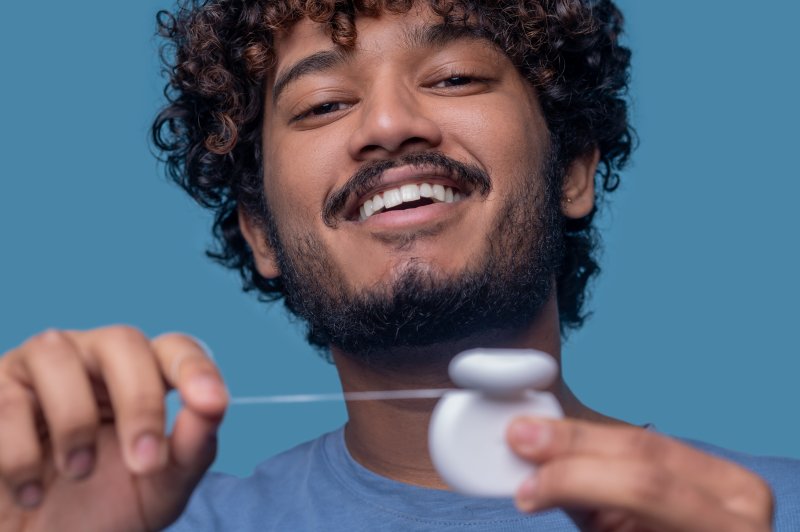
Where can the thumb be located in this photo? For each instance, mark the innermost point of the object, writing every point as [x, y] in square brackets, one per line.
[193, 443]
[192, 446]
[187, 366]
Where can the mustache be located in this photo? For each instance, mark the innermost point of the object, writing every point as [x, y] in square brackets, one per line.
[466, 176]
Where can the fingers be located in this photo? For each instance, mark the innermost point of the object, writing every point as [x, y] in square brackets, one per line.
[20, 450]
[194, 441]
[43, 364]
[189, 369]
[59, 387]
[541, 440]
[655, 496]
[127, 366]
[592, 465]
[67, 373]
[70, 412]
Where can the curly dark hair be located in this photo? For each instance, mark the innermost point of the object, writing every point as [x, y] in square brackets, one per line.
[217, 54]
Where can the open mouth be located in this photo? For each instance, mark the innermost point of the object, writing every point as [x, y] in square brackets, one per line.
[408, 196]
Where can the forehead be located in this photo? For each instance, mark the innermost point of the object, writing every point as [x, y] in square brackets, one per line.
[375, 35]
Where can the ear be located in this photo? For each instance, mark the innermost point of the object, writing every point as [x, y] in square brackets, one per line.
[577, 196]
[263, 254]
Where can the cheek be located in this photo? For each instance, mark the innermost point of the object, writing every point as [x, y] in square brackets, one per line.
[298, 172]
[509, 140]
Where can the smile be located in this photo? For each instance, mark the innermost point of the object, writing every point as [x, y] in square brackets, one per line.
[408, 196]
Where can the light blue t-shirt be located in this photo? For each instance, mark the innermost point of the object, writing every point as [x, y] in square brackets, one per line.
[319, 486]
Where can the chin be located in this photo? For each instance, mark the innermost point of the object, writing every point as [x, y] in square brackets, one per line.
[420, 268]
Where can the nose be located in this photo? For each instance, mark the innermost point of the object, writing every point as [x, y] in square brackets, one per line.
[393, 122]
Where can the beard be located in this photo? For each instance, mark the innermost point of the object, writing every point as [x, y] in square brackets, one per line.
[391, 326]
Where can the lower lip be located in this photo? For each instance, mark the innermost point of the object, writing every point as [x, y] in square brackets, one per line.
[411, 218]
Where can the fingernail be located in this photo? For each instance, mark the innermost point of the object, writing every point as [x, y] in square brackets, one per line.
[80, 462]
[30, 495]
[526, 495]
[147, 452]
[530, 436]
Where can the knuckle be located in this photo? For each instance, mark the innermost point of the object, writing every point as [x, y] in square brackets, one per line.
[49, 341]
[184, 344]
[754, 498]
[646, 445]
[123, 334]
[175, 338]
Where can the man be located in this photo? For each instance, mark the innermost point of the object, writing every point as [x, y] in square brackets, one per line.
[477, 131]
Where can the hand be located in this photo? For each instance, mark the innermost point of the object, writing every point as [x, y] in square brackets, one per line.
[82, 443]
[614, 478]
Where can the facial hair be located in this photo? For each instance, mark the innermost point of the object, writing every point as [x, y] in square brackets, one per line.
[502, 290]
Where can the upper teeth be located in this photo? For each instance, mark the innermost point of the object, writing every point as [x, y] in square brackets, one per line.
[408, 193]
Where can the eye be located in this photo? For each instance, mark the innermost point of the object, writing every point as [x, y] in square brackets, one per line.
[320, 110]
[455, 81]
[325, 108]
[461, 83]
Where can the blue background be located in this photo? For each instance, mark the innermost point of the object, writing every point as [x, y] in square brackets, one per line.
[695, 314]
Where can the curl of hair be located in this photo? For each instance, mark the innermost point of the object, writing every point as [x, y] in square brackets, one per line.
[217, 54]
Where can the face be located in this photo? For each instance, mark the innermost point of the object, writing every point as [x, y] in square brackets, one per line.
[409, 176]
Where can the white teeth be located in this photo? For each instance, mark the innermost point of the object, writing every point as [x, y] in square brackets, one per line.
[392, 198]
[377, 203]
[410, 192]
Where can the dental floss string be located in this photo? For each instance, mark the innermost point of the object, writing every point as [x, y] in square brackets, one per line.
[379, 395]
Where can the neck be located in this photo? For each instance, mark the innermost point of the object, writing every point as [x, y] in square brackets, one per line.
[391, 437]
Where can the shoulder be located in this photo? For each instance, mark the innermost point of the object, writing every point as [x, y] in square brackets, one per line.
[782, 475]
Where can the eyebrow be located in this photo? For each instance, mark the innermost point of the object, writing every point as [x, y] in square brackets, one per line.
[440, 35]
[428, 36]
[318, 62]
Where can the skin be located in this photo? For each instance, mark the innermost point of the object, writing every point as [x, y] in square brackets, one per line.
[390, 103]
[98, 392]
[389, 99]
